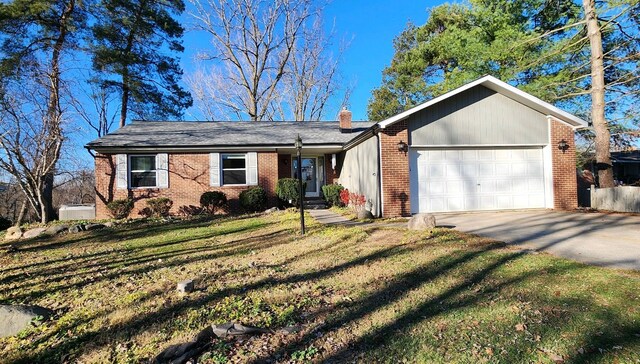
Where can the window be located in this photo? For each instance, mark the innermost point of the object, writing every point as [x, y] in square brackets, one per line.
[143, 171]
[234, 169]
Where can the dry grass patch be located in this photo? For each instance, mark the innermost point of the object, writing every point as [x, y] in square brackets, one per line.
[366, 294]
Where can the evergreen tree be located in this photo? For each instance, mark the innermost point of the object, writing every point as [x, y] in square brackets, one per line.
[131, 39]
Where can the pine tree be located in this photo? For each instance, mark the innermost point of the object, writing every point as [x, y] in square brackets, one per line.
[130, 42]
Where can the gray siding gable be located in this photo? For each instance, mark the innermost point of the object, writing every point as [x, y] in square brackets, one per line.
[478, 116]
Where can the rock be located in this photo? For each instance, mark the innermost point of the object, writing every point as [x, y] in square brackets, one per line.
[185, 286]
[16, 318]
[365, 214]
[90, 227]
[13, 233]
[76, 228]
[29, 234]
[422, 222]
[108, 224]
[56, 229]
[271, 210]
[289, 330]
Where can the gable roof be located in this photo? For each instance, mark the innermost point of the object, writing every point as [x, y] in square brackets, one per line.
[191, 134]
[500, 87]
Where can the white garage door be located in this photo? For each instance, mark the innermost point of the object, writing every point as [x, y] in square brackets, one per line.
[479, 179]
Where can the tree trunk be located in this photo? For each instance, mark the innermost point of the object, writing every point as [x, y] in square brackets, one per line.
[603, 135]
[21, 214]
[125, 101]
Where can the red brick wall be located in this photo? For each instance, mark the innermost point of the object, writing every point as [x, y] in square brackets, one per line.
[565, 185]
[188, 179]
[331, 175]
[395, 171]
[284, 166]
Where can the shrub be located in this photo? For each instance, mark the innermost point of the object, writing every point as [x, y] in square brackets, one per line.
[159, 207]
[5, 223]
[253, 199]
[213, 201]
[332, 194]
[120, 209]
[287, 190]
[190, 210]
[353, 200]
[344, 197]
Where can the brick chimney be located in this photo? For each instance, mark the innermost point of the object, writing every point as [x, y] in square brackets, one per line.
[345, 120]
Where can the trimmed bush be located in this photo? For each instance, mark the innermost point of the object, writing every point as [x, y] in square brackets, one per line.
[159, 207]
[213, 201]
[253, 199]
[332, 194]
[5, 223]
[120, 209]
[190, 210]
[287, 190]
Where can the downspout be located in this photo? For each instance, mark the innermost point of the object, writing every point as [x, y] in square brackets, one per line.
[376, 132]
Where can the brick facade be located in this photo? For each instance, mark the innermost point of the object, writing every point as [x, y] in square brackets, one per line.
[188, 179]
[330, 173]
[565, 185]
[284, 166]
[395, 171]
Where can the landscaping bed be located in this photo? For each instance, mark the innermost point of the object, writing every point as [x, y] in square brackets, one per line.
[366, 294]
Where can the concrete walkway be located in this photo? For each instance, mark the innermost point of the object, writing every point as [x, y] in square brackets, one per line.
[328, 217]
[610, 240]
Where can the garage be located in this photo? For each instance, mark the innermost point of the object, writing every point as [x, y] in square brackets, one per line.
[464, 179]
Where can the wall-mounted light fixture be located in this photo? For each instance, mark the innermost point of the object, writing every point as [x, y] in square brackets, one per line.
[403, 147]
[563, 145]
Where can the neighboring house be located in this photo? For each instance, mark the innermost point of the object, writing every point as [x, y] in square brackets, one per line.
[483, 146]
[626, 166]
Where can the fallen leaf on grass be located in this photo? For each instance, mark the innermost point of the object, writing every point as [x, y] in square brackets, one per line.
[553, 356]
[521, 327]
[489, 351]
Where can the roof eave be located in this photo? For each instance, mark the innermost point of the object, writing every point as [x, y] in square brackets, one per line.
[503, 88]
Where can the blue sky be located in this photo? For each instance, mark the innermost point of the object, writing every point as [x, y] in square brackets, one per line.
[369, 26]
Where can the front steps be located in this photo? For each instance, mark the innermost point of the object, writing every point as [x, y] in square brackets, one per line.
[315, 204]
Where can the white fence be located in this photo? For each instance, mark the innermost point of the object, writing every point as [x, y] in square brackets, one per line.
[623, 198]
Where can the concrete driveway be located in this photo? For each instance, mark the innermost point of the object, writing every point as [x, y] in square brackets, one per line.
[610, 240]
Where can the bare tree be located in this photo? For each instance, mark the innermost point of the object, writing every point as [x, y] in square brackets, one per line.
[31, 140]
[312, 77]
[93, 107]
[253, 44]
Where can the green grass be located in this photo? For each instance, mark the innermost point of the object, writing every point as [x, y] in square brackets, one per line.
[364, 294]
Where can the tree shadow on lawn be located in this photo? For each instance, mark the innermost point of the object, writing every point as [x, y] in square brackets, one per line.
[113, 267]
[595, 340]
[135, 229]
[166, 314]
[481, 285]
[108, 237]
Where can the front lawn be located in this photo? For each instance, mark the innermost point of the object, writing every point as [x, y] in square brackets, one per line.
[364, 294]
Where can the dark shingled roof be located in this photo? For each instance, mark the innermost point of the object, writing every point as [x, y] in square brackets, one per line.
[631, 156]
[226, 133]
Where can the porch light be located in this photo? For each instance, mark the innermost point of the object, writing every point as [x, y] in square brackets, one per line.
[563, 145]
[298, 145]
[403, 147]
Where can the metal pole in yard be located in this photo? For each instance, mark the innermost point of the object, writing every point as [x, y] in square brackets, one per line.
[298, 145]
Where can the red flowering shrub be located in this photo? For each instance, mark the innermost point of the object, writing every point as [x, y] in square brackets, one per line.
[344, 197]
[352, 199]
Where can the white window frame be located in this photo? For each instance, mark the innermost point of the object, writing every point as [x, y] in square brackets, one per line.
[131, 171]
[245, 169]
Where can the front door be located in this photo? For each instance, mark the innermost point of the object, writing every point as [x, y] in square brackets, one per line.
[310, 175]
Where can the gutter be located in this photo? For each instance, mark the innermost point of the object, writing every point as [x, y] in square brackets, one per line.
[373, 130]
[376, 132]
